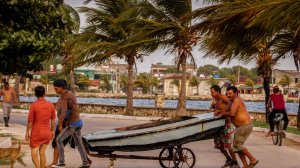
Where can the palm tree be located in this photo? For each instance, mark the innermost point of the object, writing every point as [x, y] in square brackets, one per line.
[123, 80]
[176, 83]
[155, 84]
[44, 79]
[213, 81]
[227, 42]
[70, 46]
[232, 79]
[111, 33]
[169, 21]
[194, 82]
[250, 83]
[285, 81]
[83, 81]
[255, 23]
[144, 81]
[106, 84]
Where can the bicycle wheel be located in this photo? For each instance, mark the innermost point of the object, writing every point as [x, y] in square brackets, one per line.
[280, 132]
[275, 135]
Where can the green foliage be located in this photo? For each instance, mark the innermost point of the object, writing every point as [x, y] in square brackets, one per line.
[250, 83]
[285, 81]
[233, 79]
[213, 81]
[30, 31]
[194, 81]
[145, 82]
[123, 79]
[105, 83]
[44, 79]
[82, 81]
[207, 69]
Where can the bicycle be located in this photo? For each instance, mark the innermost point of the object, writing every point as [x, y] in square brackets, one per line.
[278, 129]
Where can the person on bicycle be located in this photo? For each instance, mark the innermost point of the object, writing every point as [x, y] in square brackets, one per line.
[278, 107]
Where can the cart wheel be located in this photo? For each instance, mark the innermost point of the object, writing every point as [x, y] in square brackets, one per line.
[184, 158]
[167, 153]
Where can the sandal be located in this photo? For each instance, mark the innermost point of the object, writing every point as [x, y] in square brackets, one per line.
[252, 165]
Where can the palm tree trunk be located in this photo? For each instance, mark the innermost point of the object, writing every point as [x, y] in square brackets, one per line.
[16, 86]
[72, 82]
[129, 104]
[266, 83]
[181, 106]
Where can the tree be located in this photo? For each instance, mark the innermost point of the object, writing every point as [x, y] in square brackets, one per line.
[250, 83]
[213, 81]
[144, 81]
[30, 31]
[44, 79]
[233, 79]
[261, 23]
[285, 81]
[171, 23]
[105, 85]
[71, 46]
[83, 81]
[123, 79]
[194, 82]
[176, 83]
[111, 33]
[227, 42]
[207, 70]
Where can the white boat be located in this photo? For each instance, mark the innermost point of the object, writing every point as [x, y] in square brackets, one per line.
[155, 135]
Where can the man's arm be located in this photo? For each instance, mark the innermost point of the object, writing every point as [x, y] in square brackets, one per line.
[233, 110]
[64, 108]
[269, 105]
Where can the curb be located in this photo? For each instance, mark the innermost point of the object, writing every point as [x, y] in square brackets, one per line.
[290, 136]
[108, 116]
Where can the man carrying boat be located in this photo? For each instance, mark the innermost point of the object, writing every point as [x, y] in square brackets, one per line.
[223, 142]
[243, 123]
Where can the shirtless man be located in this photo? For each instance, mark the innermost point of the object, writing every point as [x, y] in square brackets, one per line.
[223, 142]
[9, 96]
[243, 123]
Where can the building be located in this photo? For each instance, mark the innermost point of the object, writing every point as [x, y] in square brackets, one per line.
[159, 70]
[292, 90]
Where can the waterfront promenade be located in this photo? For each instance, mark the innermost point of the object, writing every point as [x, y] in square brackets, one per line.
[270, 156]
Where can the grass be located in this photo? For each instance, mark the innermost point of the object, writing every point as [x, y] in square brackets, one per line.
[261, 124]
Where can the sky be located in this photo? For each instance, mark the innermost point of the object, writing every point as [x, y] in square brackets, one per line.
[160, 56]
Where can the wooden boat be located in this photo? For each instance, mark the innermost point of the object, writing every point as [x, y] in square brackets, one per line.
[155, 135]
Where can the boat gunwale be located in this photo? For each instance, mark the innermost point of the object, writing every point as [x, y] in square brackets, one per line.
[200, 121]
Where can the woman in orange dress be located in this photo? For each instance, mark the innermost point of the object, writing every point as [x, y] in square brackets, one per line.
[40, 114]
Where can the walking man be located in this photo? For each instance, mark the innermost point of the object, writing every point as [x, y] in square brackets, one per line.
[243, 123]
[9, 97]
[224, 140]
[68, 112]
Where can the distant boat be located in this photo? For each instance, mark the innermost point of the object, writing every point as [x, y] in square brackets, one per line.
[155, 135]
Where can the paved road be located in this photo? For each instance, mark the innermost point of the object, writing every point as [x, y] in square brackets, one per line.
[270, 156]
